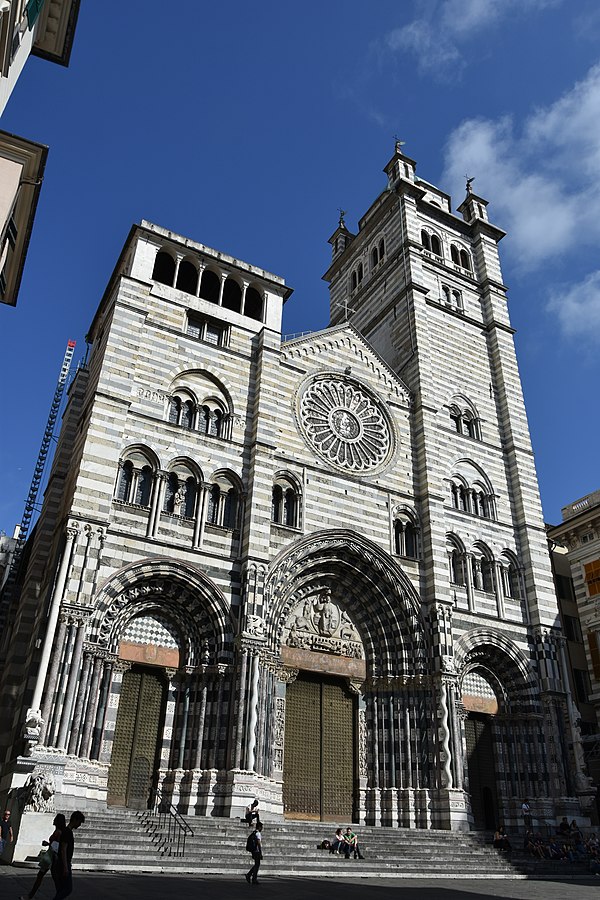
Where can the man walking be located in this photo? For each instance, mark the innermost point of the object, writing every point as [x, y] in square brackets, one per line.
[62, 874]
[254, 847]
[6, 832]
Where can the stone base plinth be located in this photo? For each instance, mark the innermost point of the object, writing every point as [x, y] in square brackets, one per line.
[450, 809]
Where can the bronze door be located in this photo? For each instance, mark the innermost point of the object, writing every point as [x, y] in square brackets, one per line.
[135, 754]
[319, 756]
[482, 770]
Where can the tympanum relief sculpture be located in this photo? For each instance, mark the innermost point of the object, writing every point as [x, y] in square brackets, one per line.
[319, 623]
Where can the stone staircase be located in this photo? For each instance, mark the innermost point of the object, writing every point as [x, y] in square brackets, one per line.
[128, 842]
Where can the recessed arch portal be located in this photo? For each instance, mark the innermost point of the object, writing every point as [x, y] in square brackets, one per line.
[180, 595]
[365, 582]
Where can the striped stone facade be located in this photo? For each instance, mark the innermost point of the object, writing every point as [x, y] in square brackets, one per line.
[359, 503]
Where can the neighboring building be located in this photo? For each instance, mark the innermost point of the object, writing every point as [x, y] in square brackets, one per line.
[7, 549]
[43, 28]
[22, 166]
[577, 541]
[40, 27]
[314, 570]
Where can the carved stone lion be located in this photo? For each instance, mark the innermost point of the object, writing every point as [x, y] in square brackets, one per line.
[40, 792]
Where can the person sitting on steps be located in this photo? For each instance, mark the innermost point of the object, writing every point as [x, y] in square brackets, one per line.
[350, 844]
[337, 841]
[252, 813]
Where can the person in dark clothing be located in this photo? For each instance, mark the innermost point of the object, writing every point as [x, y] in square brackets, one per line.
[53, 844]
[252, 813]
[62, 874]
[6, 832]
[254, 847]
[501, 841]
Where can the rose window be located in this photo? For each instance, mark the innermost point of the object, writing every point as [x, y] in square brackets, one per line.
[344, 424]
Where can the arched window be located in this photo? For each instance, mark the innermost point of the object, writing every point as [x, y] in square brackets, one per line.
[187, 415]
[425, 239]
[216, 419]
[514, 581]
[189, 503]
[456, 561]
[144, 487]
[487, 575]
[456, 418]
[465, 260]
[276, 503]
[164, 268]
[232, 295]
[454, 254]
[381, 249]
[463, 498]
[210, 286]
[374, 257]
[125, 482]
[174, 410]
[446, 293]
[436, 247]
[359, 274]
[353, 281]
[289, 508]
[457, 567]
[214, 498]
[457, 300]
[410, 541]
[204, 420]
[230, 509]
[187, 277]
[253, 304]
[406, 537]
[171, 492]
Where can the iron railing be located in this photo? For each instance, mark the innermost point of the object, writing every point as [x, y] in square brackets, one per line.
[167, 826]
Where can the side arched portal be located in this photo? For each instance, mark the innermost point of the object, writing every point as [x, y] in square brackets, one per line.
[153, 672]
[503, 741]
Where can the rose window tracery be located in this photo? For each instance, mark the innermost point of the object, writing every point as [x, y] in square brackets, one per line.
[344, 424]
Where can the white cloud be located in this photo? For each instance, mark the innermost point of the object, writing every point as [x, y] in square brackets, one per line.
[578, 308]
[543, 183]
[435, 37]
[543, 180]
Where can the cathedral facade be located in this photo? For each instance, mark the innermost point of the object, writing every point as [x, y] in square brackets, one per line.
[312, 570]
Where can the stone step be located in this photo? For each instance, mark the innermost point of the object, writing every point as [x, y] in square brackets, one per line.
[216, 847]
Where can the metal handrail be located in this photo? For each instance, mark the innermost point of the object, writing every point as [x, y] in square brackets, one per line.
[171, 826]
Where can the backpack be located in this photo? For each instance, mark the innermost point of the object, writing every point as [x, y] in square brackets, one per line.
[252, 843]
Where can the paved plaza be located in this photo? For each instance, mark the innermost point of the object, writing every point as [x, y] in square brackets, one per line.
[14, 882]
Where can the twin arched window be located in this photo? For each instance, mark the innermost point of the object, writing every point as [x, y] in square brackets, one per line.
[377, 253]
[181, 492]
[465, 421]
[135, 480]
[406, 537]
[460, 257]
[223, 505]
[431, 242]
[356, 277]
[452, 298]
[285, 503]
[229, 293]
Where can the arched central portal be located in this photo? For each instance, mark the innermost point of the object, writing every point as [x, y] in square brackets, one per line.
[320, 749]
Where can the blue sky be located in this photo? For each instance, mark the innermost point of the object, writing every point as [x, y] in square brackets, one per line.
[245, 126]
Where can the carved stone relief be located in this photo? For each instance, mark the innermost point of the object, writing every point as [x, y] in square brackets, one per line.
[318, 623]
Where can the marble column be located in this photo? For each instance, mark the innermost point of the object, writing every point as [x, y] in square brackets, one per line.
[73, 679]
[57, 596]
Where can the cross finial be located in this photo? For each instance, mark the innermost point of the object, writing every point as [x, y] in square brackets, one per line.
[469, 183]
[341, 222]
[399, 144]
